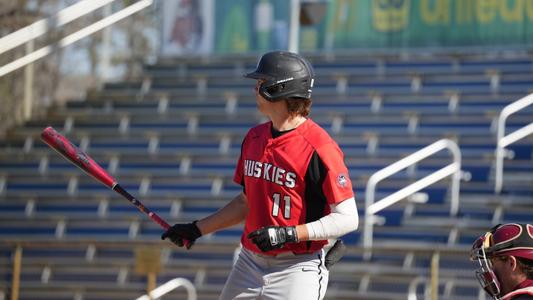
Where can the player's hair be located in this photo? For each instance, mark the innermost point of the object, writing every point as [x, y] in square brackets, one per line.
[526, 265]
[298, 106]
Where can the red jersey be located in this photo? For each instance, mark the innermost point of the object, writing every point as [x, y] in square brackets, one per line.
[523, 291]
[273, 172]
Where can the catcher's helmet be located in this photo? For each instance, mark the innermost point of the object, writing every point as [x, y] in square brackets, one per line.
[285, 75]
[507, 239]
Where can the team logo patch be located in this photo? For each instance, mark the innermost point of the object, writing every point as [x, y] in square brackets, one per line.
[342, 180]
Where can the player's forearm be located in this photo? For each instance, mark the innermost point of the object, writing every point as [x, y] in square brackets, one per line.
[302, 233]
[232, 213]
[342, 220]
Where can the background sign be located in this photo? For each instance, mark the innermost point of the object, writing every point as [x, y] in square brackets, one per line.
[241, 26]
[187, 27]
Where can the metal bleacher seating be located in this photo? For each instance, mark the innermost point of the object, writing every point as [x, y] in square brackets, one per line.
[173, 136]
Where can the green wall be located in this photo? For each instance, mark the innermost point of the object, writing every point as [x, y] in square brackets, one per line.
[364, 24]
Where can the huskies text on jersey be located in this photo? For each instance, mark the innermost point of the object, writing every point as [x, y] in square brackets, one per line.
[269, 172]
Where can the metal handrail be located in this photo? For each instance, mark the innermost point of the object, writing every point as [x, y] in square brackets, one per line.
[372, 208]
[413, 285]
[40, 27]
[411, 291]
[30, 32]
[169, 286]
[504, 141]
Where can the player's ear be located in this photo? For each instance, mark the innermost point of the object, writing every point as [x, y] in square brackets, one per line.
[512, 262]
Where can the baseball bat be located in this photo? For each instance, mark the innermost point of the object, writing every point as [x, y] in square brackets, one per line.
[83, 161]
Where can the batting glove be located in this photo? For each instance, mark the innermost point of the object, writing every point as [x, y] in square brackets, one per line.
[273, 237]
[335, 254]
[180, 232]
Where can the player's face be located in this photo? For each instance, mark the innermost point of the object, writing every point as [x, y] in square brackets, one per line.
[502, 267]
[262, 103]
[277, 109]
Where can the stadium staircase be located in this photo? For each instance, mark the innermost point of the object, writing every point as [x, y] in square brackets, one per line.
[172, 138]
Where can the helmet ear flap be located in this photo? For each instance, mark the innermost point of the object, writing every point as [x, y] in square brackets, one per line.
[275, 89]
[270, 92]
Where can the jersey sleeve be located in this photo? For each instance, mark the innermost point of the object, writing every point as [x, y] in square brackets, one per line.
[238, 176]
[337, 185]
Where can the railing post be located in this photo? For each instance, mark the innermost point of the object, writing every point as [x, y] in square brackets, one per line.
[105, 61]
[368, 236]
[435, 258]
[411, 292]
[28, 84]
[498, 172]
[372, 208]
[500, 152]
[151, 283]
[368, 228]
[456, 179]
[170, 286]
[15, 283]
[148, 262]
[505, 140]
[294, 29]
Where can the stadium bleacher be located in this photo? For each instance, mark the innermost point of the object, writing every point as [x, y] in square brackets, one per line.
[172, 137]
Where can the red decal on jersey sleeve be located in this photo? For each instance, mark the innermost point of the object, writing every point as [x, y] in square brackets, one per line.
[337, 185]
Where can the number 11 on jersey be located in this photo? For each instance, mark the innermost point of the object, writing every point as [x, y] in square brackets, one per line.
[286, 205]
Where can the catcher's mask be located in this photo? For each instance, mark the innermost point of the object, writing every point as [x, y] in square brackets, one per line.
[284, 75]
[502, 240]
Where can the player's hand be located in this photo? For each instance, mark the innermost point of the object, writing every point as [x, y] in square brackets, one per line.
[180, 232]
[335, 254]
[273, 237]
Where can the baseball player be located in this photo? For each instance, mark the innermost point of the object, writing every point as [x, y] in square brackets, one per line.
[505, 257]
[296, 194]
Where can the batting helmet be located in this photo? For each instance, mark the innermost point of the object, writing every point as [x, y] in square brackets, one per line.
[285, 75]
[507, 239]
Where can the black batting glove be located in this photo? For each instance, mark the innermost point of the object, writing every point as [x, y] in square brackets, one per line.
[335, 254]
[180, 232]
[273, 237]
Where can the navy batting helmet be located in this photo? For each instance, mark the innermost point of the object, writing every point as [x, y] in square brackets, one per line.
[285, 75]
